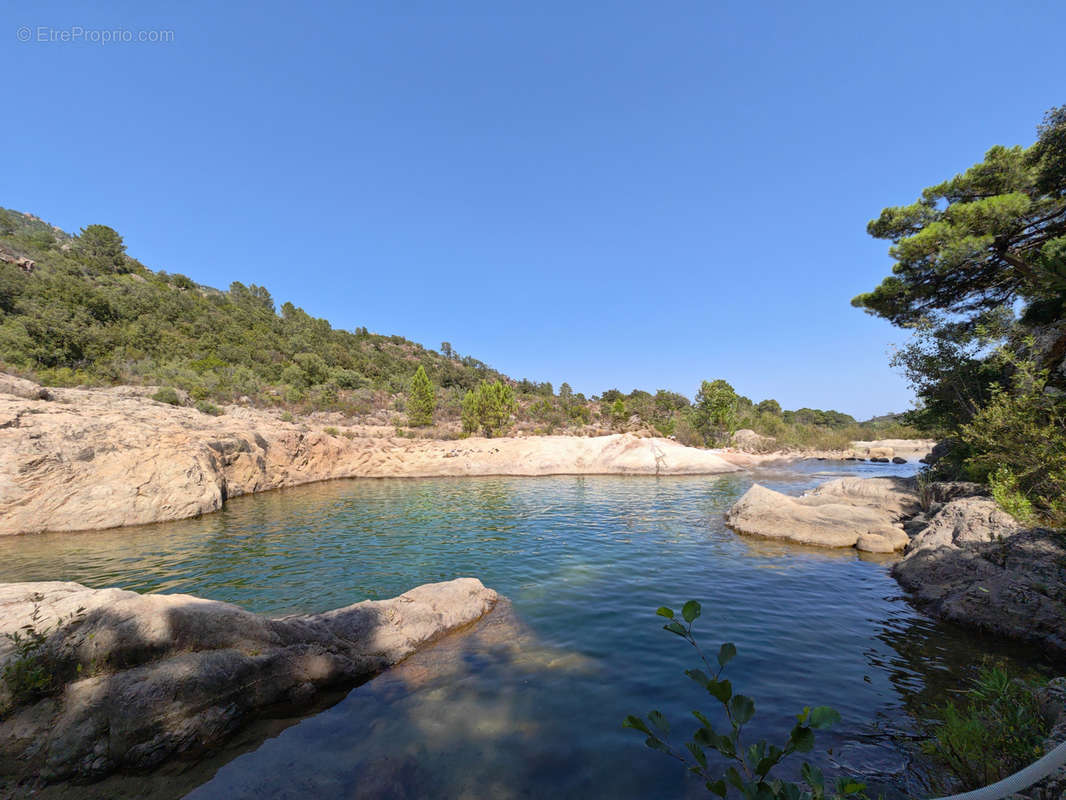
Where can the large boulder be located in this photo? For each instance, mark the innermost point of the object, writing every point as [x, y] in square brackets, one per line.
[894, 495]
[136, 679]
[1013, 587]
[20, 387]
[966, 520]
[825, 520]
[751, 442]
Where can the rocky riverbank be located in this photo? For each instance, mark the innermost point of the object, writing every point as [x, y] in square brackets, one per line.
[88, 459]
[963, 559]
[124, 681]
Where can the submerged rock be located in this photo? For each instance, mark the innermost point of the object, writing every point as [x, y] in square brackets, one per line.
[848, 512]
[136, 679]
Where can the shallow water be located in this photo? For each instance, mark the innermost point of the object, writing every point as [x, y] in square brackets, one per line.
[529, 704]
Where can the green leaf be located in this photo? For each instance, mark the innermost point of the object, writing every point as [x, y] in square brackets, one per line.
[699, 676]
[823, 717]
[720, 690]
[659, 721]
[690, 611]
[726, 653]
[655, 743]
[743, 709]
[675, 627]
[703, 719]
[718, 787]
[734, 778]
[801, 739]
[697, 753]
[849, 786]
[663, 611]
[812, 776]
[636, 723]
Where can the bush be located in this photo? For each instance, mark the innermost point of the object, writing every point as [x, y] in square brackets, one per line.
[995, 732]
[488, 408]
[205, 407]
[750, 765]
[1004, 485]
[167, 395]
[32, 671]
[332, 431]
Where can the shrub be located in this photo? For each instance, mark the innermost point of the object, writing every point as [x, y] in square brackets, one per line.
[750, 765]
[995, 732]
[421, 400]
[167, 395]
[32, 671]
[332, 431]
[488, 408]
[1004, 485]
[205, 407]
[286, 416]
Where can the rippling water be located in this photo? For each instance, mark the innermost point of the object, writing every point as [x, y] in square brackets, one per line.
[530, 703]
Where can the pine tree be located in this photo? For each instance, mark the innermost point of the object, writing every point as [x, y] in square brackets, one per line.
[421, 400]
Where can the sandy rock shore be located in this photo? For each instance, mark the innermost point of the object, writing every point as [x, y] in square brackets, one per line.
[87, 459]
[140, 678]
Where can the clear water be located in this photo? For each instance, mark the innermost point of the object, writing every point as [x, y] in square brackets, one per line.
[529, 704]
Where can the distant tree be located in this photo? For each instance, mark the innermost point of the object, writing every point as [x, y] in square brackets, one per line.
[102, 248]
[611, 395]
[566, 396]
[715, 413]
[7, 223]
[618, 411]
[488, 408]
[769, 407]
[446, 350]
[421, 400]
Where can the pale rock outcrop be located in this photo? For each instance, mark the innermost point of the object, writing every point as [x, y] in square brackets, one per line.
[103, 458]
[749, 441]
[842, 513]
[144, 677]
[910, 449]
[966, 520]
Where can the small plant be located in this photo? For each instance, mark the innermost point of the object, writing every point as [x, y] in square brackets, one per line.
[207, 407]
[996, 732]
[30, 673]
[332, 431]
[421, 400]
[750, 765]
[287, 416]
[1008, 496]
[167, 395]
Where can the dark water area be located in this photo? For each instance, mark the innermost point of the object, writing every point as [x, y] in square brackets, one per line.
[529, 703]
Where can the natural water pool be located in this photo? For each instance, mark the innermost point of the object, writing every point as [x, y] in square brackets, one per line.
[530, 704]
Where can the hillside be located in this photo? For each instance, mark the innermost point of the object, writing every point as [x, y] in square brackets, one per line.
[78, 311]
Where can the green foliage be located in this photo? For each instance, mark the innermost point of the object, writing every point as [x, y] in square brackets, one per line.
[748, 766]
[206, 407]
[1018, 441]
[102, 248]
[331, 430]
[995, 731]
[715, 413]
[31, 672]
[978, 242]
[488, 408]
[618, 412]
[167, 394]
[421, 400]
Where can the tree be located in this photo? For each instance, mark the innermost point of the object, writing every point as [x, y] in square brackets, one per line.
[488, 408]
[421, 400]
[103, 248]
[716, 410]
[618, 412]
[986, 238]
[566, 396]
[769, 407]
[446, 350]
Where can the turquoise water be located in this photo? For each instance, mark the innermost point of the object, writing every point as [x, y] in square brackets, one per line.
[530, 704]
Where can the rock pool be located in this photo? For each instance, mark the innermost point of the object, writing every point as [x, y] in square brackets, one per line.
[529, 703]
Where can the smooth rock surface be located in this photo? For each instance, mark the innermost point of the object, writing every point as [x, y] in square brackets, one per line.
[849, 512]
[145, 677]
[103, 458]
[967, 520]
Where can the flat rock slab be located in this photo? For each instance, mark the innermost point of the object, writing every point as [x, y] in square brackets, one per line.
[140, 678]
[848, 512]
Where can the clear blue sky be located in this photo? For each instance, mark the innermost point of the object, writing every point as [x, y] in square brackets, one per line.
[636, 195]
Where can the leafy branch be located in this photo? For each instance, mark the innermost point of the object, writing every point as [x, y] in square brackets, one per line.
[749, 765]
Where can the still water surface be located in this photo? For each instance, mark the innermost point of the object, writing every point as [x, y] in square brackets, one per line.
[529, 704]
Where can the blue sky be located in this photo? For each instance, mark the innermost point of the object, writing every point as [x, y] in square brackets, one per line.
[624, 196]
